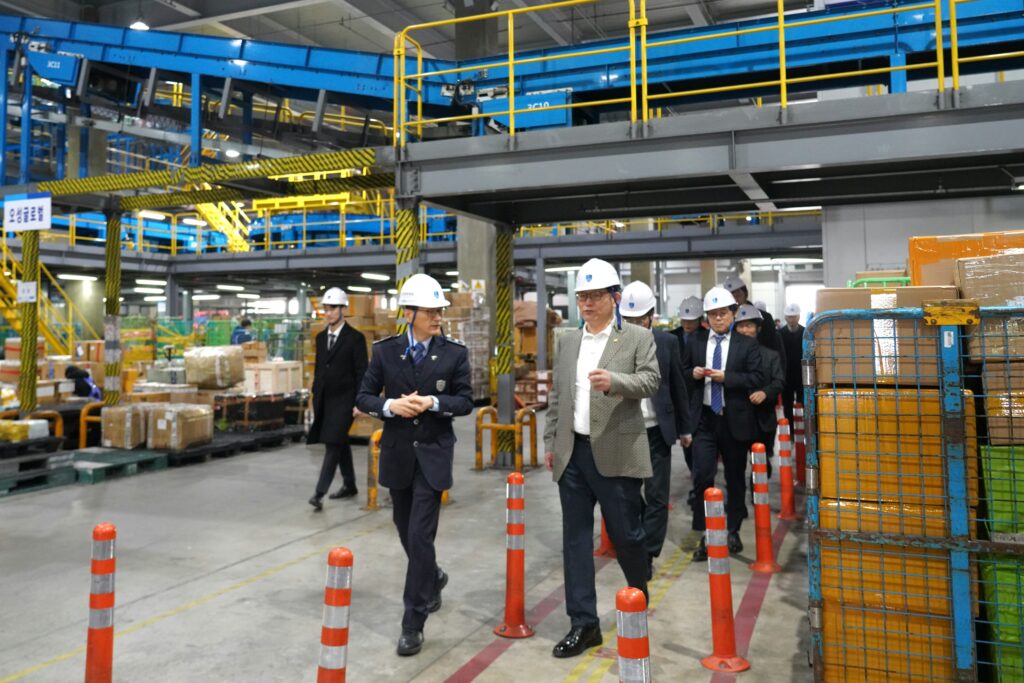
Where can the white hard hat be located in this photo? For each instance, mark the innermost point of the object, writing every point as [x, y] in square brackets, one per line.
[732, 283]
[761, 306]
[792, 309]
[748, 312]
[718, 297]
[637, 300]
[596, 274]
[691, 308]
[422, 291]
[335, 296]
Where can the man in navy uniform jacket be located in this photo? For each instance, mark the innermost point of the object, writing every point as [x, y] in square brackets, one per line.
[425, 380]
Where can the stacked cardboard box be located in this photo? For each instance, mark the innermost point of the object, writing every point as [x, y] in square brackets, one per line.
[278, 377]
[52, 391]
[932, 259]
[254, 352]
[23, 430]
[12, 348]
[175, 427]
[124, 426]
[215, 367]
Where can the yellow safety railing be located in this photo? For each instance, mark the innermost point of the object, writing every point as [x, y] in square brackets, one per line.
[710, 221]
[954, 48]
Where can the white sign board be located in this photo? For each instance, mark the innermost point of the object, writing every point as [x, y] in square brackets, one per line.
[24, 212]
[478, 285]
[27, 292]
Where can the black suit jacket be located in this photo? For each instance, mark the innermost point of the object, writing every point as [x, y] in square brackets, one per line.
[769, 337]
[685, 340]
[429, 438]
[336, 378]
[670, 402]
[743, 375]
[793, 343]
[774, 383]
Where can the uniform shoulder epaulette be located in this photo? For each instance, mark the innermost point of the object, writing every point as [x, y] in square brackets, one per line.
[455, 341]
[394, 336]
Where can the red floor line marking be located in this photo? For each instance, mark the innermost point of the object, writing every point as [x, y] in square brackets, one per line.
[483, 659]
[750, 605]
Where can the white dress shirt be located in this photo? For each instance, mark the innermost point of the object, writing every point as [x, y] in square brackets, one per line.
[708, 364]
[650, 416]
[336, 333]
[591, 350]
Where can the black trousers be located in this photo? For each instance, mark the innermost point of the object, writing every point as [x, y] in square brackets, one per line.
[580, 487]
[336, 456]
[787, 401]
[416, 512]
[656, 492]
[713, 437]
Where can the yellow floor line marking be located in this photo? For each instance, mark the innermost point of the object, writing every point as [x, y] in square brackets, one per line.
[677, 562]
[192, 604]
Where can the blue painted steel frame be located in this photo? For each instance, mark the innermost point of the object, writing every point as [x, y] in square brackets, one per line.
[4, 61]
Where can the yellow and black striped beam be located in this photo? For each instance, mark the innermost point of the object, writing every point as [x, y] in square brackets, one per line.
[169, 200]
[407, 252]
[503, 309]
[373, 181]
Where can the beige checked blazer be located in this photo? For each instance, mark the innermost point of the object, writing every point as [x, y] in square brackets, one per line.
[617, 434]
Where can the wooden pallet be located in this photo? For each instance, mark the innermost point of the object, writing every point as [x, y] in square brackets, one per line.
[37, 480]
[46, 444]
[99, 464]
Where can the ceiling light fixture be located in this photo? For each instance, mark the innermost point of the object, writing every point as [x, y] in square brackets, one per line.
[139, 25]
[562, 269]
[205, 297]
[361, 289]
[194, 221]
[452, 273]
[232, 153]
[245, 295]
[153, 215]
[379, 277]
[158, 283]
[75, 276]
[231, 288]
[155, 299]
[148, 290]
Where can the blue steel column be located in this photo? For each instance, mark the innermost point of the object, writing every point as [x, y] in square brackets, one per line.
[5, 56]
[196, 123]
[814, 604]
[83, 145]
[61, 144]
[247, 117]
[953, 442]
[897, 79]
[26, 127]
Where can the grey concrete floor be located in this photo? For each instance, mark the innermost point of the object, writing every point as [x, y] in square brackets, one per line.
[220, 571]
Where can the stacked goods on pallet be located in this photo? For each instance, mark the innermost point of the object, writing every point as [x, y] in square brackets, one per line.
[53, 391]
[365, 315]
[167, 372]
[56, 366]
[157, 392]
[932, 260]
[532, 387]
[277, 377]
[216, 367]
[124, 426]
[254, 352]
[137, 343]
[250, 412]
[12, 348]
[23, 430]
[88, 355]
[175, 427]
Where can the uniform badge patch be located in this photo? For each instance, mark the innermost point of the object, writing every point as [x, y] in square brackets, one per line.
[441, 384]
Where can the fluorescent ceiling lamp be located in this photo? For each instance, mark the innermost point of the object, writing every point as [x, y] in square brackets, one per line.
[153, 215]
[788, 181]
[392, 291]
[231, 288]
[158, 283]
[452, 273]
[148, 290]
[155, 299]
[802, 208]
[562, 269]
[205, 297]
[1020, 188]
[79, 278]
[139, 25]
[239, 62]
[358, 288]
[232, 153]
[193, 221]
[248, 296]
[379, 277]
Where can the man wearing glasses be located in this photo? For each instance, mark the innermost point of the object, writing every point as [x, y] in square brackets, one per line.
[425, 380]
[596, 444]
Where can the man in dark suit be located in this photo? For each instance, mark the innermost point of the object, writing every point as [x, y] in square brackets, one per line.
[666, 416]
[748, 321]
[425, 380]
[340, 364]
[722, 372]
[691, 313]
[792, 334]
[768, 335]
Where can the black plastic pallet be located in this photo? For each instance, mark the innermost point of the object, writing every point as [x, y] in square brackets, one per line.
[33, 462]
[222, 446]
[46, 444]
[97, 465]
[36, 480]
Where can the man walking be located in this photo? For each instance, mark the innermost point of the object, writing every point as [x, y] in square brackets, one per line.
[596, 446]
[768, 334]
[792, 335]
[340, 364]
[691, 314]
[425, 381]
[748, 322]
[666, 416]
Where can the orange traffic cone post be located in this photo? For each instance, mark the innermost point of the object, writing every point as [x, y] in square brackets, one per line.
[800, 442]
[334, 634]
[607, 548]
[788, 505]
[633, 643]
[765, 563]
[723, 628]
[515, 625]
[99, 649]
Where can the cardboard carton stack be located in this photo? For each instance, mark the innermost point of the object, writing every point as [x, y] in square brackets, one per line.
[469, 320]
[175, 427]
[531, 385]
[215, 367]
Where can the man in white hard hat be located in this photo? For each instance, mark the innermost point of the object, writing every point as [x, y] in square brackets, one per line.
[723, 369]
[792, 334]
[339, 369]
[666, 416]
[596, 446]
[748, 322]
[768, 335]
[425, 381]
[691, 317]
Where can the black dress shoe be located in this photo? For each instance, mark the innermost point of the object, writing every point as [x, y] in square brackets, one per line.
[701, 553]
[578, 640]
[734, 542]
[315, 501]
[344, 492]
[440, 581]
[410, 642]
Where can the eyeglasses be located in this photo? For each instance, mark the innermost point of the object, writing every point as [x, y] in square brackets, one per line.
[595, 295]
[431, 312]
[719, 313]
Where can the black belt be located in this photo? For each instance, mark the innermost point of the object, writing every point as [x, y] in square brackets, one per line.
[581, 437]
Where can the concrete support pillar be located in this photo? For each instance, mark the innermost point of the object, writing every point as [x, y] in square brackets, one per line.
[570, 287]
[87, 152]
[88, 301]
[505, 365]
[708, 274]
[112, 317]
[173, 298]
[29, 312]
[542, 316]
[641, 270]
[474, 252]
[475, 39]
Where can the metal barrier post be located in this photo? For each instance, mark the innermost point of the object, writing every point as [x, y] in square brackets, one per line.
[85, 418]
[481, 426]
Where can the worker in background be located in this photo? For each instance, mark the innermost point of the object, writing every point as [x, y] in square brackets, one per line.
[691, 315]
[769, 335]
[793, 343]
[666, 416]
[425, 381]
[242, 333]
[339, 369]
[595, 445]
[84, 386]
[723, 370]
[748, 323]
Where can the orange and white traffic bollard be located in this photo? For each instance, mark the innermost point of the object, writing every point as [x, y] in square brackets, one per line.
[334, 634]
[800, 442]
[99, 652]
[723, 628]
[633, 643]
[780, 411]
[788, 505]
[765, 563]
[606, 548]
[515, 625]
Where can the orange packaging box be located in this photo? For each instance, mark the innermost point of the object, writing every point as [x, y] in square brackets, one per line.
[932, 260]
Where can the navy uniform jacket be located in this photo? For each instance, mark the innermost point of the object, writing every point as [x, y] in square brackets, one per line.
[429, 438]
[670, 402]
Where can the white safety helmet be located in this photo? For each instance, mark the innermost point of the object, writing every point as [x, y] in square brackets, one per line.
[637, 300]
[335, 296]
[422, 291]
[792, 309]
[732, 283]
[596, 274]
[718, 297]
[748, 312]
[761, 306]
[691, 308]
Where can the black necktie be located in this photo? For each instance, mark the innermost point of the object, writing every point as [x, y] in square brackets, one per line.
[330, 340]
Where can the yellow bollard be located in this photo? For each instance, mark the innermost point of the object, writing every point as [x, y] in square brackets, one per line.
[372, 465]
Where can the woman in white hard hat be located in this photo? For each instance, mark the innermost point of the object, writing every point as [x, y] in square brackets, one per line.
[425, 380]
[596, 444]
[340, 364]
[769, 334]
[748, 323]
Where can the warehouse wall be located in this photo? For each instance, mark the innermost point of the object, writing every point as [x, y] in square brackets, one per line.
[874, 236]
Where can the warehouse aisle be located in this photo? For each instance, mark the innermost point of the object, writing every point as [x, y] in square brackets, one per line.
[221, 567]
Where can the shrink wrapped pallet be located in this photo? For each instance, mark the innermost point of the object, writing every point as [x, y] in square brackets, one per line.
[23, 430]
[215, 367]
[124, 426]
[177, 426]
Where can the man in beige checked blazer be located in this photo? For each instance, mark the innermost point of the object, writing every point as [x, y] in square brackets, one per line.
[596, 444]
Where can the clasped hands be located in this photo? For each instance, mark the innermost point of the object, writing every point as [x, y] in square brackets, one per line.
[411, 405]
